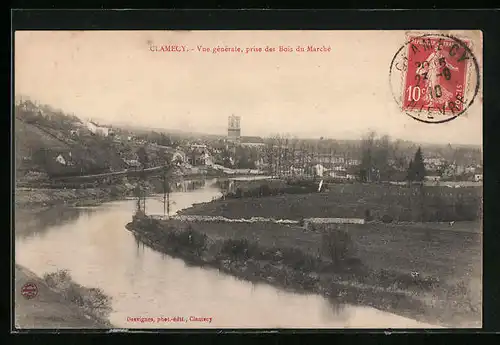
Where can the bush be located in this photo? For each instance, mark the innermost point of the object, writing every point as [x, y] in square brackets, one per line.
[238, 193]
[238, 249]
[190, 239]
[92, 300]
[368, 216]
[264, 190]
[386, 219]
[297, 259]
[337, 245]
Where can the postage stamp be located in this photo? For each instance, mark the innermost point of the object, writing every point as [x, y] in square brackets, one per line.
[435, 77]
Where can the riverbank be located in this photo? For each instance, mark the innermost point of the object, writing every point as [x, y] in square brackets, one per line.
[392, 270]
[30, 198]
[49, 309]
[38, 195]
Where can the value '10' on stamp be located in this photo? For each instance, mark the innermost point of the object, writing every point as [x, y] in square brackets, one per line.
[435, 81]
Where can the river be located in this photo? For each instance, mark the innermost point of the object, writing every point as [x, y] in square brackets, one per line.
[93, 244]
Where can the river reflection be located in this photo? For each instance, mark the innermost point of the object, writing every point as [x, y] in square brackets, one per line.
[95, 247]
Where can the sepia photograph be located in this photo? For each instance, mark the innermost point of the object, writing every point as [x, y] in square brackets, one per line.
[248, 179]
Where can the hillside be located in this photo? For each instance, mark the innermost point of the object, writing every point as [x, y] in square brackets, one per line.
[28, 140]
[41, 136]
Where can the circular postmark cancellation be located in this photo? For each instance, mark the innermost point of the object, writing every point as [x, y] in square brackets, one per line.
[29, 290]
[434, 78]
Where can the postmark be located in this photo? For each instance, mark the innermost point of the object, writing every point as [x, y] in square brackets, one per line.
[29, 290]
[434, 78]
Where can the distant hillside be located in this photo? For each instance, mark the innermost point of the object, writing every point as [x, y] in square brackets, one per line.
[42, 135]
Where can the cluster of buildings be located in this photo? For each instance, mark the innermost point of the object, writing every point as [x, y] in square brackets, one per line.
[438, 168]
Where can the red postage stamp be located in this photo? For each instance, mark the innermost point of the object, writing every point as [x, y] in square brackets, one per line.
[435, 79]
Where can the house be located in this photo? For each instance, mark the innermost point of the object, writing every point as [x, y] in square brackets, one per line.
[133, 163]
[98, 130]
[436, 161]
[338, 168]
[60, 159]
[432, 178]
[253, 145]
[350, 177]
[199, 147]
[179, 156]
[207, 159]
[470, 169]
[353, 162]
[92, 127]
[199, 156]
[433, 163]
[337, 174]
[319, 170]
[338, 160]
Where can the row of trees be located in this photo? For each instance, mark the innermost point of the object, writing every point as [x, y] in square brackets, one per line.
[381, 158]
[383, 161]
[287, 155]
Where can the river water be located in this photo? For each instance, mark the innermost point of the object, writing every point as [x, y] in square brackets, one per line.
[93, 244]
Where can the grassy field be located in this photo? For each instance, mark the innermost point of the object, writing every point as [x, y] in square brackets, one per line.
[436, 250]
[353, 201]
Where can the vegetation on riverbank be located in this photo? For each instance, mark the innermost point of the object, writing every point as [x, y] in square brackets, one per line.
[389, 269]
[60, 303]
[92, 301]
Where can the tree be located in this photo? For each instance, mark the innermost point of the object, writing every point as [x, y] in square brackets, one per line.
[226, 158]
[416, 168]
[244, 159]
[167, 168]
[142, 156]
[269, 156]
[410, 176]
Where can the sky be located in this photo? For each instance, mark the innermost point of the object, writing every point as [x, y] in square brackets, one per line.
[116, 77]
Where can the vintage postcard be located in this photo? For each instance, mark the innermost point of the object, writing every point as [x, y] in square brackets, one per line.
[248, 179]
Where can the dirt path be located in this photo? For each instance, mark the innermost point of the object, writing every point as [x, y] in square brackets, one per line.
[48, 309]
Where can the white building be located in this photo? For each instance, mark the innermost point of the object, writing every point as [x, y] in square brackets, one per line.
[179, 157]
[207, 159]
[198, 147]
[132, 163]
[338, 160]
[60, 159]
[470, 169]
[252, 144]
[98, 130]
[432, 178]
[319, 169]
[353, 162]
[92, 127]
